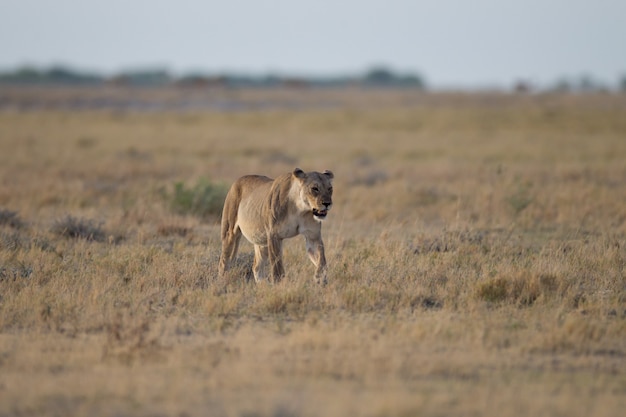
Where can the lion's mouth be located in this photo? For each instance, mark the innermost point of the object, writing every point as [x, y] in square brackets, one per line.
[320, 214]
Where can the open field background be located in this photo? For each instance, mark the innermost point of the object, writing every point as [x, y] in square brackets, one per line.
[476, 249]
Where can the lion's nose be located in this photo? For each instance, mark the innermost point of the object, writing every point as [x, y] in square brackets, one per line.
[327, 203]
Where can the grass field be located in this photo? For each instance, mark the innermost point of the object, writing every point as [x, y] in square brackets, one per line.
[476, 250]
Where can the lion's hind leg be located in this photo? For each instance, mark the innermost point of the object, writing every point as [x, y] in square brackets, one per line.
[231, 233]
[230, 245]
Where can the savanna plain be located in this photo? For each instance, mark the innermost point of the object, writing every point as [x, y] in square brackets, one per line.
[476, 251]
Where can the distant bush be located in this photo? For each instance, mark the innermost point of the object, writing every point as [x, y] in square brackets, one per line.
[73, 227]
[205, 199]
[382, 76]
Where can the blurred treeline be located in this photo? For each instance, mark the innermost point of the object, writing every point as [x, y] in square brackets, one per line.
[377, 76]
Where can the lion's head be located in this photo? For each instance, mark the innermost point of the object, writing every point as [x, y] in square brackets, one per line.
[316, 191]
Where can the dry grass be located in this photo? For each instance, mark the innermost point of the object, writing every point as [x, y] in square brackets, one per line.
[477, 253]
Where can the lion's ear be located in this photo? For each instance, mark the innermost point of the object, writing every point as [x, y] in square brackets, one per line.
[298, 173]
[329, 174]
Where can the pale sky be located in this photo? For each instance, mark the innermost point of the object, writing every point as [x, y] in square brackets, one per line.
[449, 42]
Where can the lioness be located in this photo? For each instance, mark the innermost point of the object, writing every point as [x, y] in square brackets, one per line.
[267, 211]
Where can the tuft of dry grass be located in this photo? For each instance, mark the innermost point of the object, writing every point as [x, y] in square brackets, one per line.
[476, 254]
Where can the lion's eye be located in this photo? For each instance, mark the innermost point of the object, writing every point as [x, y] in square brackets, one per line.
[315, 190]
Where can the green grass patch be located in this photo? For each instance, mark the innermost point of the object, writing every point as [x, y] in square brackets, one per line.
[205, 199]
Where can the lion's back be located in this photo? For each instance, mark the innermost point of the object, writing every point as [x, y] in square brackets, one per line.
[245, 186]
[250, 182]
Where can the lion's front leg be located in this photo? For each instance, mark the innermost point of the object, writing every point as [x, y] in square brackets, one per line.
[260, 263]
[315, 250]
[275, 246]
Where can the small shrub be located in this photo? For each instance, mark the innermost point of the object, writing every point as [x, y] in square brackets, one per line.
[73, 227]
[205, 199]
[10, 218]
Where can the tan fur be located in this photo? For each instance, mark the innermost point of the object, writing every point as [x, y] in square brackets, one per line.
[268, 211]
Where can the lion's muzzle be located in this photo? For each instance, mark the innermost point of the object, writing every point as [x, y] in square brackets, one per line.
[320, 214]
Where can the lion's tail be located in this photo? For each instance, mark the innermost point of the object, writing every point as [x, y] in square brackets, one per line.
[229, 213]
